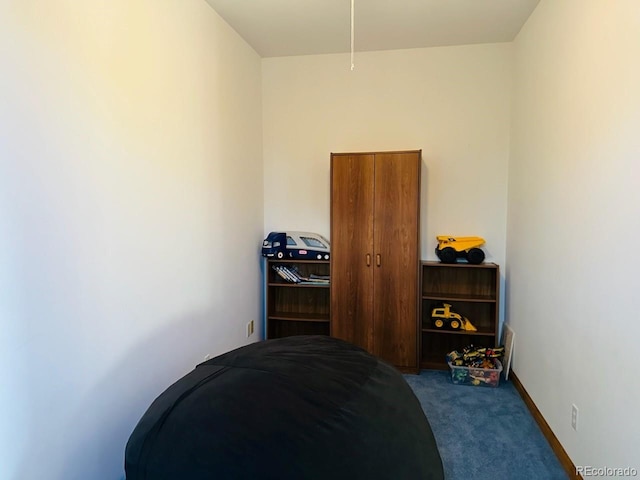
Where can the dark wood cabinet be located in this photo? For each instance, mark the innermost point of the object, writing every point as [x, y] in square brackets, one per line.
[472, 291]
[375, 259]
[294, 308]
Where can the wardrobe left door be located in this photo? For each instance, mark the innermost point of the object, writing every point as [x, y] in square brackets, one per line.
[352, 256]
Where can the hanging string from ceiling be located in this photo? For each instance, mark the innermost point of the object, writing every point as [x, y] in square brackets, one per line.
[352, 35]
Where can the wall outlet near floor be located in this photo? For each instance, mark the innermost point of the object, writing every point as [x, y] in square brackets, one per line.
[250, 328]
[574, 417]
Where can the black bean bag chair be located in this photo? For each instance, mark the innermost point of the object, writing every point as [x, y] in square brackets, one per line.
[296, 408]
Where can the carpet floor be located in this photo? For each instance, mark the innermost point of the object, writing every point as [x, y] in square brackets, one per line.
[484, 432]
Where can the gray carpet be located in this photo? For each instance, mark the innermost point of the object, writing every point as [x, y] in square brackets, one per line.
[484, 432]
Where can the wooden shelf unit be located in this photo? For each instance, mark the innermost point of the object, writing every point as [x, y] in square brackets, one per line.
[473, 291]
[297, 309]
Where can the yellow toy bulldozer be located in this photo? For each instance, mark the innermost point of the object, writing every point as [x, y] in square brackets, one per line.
[444, 317]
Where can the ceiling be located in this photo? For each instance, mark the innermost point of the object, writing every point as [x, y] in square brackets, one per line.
[277, 28]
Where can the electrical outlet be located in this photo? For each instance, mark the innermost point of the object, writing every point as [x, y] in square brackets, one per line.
[574, 417]
[250, 328]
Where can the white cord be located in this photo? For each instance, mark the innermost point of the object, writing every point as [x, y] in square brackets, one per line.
[352, 36]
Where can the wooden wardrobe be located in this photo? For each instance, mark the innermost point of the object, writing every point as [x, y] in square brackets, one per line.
[375, 253]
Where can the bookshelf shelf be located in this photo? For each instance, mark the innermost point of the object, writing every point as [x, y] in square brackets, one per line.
[298, 317]
[451, 332]
[296, 285]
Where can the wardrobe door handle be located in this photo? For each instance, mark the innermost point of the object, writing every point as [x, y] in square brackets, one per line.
[368, 259]
[378, 260]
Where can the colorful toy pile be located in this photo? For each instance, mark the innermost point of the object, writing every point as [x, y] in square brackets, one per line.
[476, 366]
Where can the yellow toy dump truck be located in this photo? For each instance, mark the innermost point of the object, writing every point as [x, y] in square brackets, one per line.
[444, 317]
[450, 249]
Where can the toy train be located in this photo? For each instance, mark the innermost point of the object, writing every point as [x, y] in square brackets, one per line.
[297, 245]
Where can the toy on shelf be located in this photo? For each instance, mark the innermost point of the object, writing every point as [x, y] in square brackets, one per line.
[450, 249]
[445, 317]
[298, 245]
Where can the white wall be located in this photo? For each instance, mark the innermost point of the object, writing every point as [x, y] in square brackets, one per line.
[573, 223]
[130, 212]
[452, 102]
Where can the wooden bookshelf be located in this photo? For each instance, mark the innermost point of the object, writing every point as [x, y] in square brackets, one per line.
[472, 291]
[294, 308]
